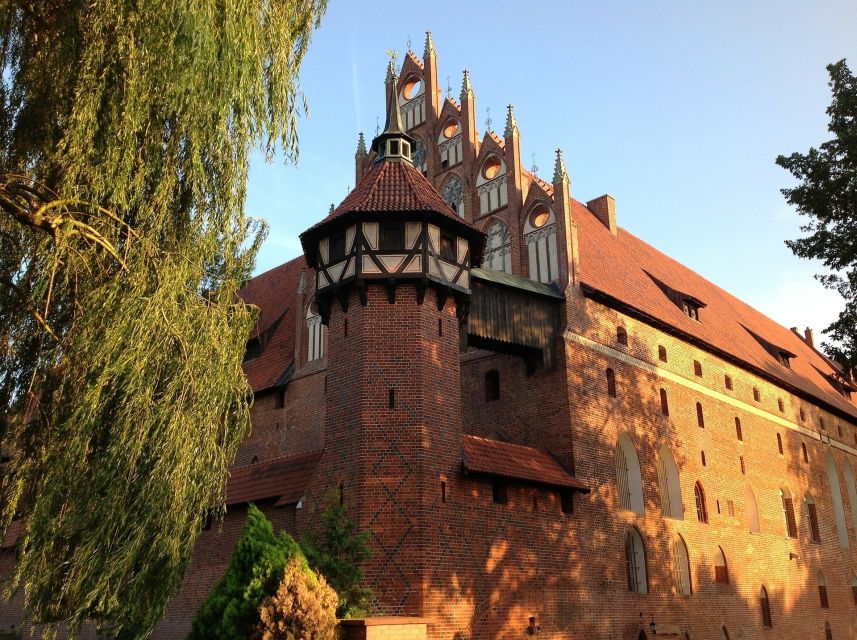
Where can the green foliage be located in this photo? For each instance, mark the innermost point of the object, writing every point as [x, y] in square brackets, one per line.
[337, 553]
[827, 195]
[303, 608]
[125, 137]
[255, 570]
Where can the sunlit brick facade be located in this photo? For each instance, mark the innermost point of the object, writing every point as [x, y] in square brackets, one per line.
[668, 458]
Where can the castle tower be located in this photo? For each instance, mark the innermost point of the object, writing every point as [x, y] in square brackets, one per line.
[392, 269]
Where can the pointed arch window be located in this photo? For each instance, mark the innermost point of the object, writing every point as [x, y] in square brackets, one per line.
[812, 517]
[828, 632]
[836, 495]
[635, 562]
[822, 590]
[700, 417]
[701, 509]
[498, 250]
[721, 571]
[852, 491]
[788, 513]
[681, 566]
[491, 185]
[752, 510]
[854, 589]
[629, 476]
[724, 634]
[413, 107]
[669, 484]
[765, 607]
[540, 239]
[449, 144]
[315, 336]
[453, 195]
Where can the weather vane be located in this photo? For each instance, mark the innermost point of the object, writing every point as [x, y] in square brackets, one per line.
[488, 120]
[377, 126]
[535, 167]
[394, 56]
[409, 43]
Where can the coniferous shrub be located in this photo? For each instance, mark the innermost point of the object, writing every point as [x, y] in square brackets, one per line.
[337, 553]
[255, 570]
[304, 607]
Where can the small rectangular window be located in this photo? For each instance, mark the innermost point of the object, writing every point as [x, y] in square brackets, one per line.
[447, 247]
[499, 492]
[392, 399]
[757, 395]
[662, 353]
[567, 501]
[443, 491]
[394, 147]
[492, 385]
[337, 247]
[727, 380]
[697, 368]
[392, 237]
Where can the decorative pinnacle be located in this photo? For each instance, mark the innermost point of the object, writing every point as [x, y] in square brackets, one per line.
[511, 123]
[559, 172]
[429, 45]
[361, 146]
[466, 89]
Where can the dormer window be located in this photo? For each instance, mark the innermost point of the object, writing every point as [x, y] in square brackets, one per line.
[392, 237]
[253, 349]
[783, 356]
[690, 309]
[337, 247]
[784, 359]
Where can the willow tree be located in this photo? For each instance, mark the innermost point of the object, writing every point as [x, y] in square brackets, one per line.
[125, 139]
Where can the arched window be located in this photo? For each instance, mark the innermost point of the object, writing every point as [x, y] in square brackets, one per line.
[662, 353]
[836, 494]
[413, 98]
[665, 406]
[812, 517]
[700, 418]
[738, 431]
[765, 606]
[788, 513]
[635, 562]
[498, 250]
[822, 590]
[449, 144]
[540, 239]
[852, 491]
[668, 482]
[628, 475]
[611, 383]
[315, 336]
[780, 444]
[491, 185]
[453, 195]
[721, 571]
[681, 567]
[752, 510]
[701, 510]
[622, 336]
[828, 632]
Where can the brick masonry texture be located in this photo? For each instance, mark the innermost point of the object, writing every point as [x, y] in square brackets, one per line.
[443, 549]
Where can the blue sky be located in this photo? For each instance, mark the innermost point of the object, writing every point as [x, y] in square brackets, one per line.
[676, 108]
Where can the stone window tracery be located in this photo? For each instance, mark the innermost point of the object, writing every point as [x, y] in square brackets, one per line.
[449, 144]
[419, 157]
[498, 250]
[315, 336]
[453, 195]
[491, 185]
[541, 244]
[681, 567]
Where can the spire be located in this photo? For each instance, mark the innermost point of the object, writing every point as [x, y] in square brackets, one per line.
[429, 50]
[361, 146]
[559, 172]
[511, 123]
[393, 143]
[466, 89]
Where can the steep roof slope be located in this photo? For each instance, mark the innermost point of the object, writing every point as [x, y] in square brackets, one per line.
[275, 293]
[622, 267]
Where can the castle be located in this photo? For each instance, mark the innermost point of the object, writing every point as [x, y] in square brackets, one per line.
[549, 427]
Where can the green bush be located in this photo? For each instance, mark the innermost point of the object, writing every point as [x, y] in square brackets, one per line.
[255, 570]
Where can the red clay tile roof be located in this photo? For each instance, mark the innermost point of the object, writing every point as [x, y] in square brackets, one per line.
[283, 478]
[390, 188]
[275, 293]
[494, 458]
[12, 535]
[618, 265]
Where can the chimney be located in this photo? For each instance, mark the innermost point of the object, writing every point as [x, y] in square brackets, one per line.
[809, 337]
[604, 208]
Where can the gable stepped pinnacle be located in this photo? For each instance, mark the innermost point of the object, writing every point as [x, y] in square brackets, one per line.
[466, 89]
[511, 123]
[429, 49]
[559, 172]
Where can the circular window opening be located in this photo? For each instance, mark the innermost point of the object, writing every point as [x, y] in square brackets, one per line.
[540, 216]
[451, 129]
[412, 88]
[491, 167]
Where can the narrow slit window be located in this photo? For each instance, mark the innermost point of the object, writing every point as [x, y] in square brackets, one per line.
[781, 405]
[780, 444]
[499, 492]
[611, 383]
[697, 368]
[757, 395]
[812, 517]
[804, 451]
[702, 457]
[443, 491]
[492, 385]
[700, 418]
[822, 591]
[738, 432]
[743, 468]
[765, 606]
[662, 353]
[727, 381]
[665, 407]
[392, 399]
